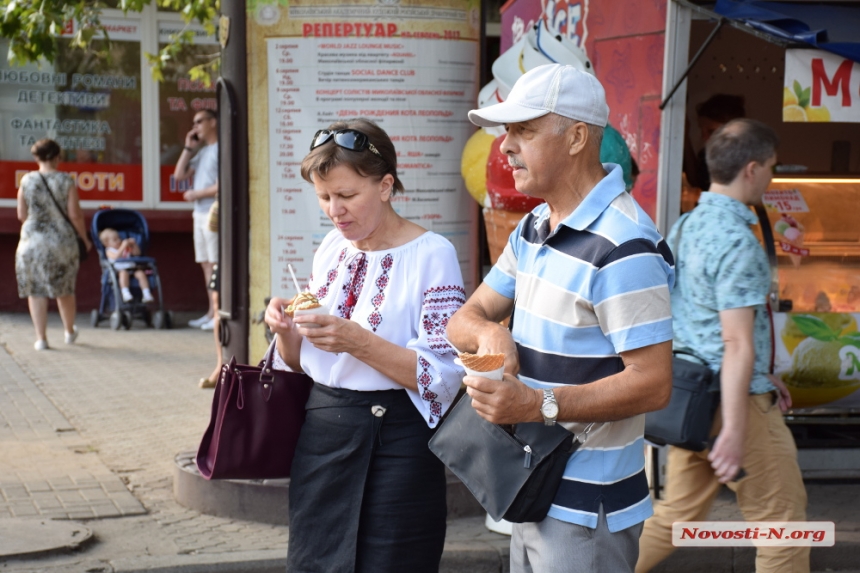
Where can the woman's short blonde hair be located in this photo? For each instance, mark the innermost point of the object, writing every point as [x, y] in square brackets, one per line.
[326, 157]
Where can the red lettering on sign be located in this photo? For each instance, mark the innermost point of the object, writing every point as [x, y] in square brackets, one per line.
[832, 87]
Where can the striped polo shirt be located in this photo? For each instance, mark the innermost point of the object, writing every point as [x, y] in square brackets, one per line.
[597, 286]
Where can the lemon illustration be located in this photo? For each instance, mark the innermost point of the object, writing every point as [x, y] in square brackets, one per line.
[817, 114]
[839, 323]
[793, 113]
[814, 375]
[473, 164]
[788, 97]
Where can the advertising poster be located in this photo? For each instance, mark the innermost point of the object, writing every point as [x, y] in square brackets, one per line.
[820, 86]
[412, 68]
[90, 106]
[818, 358]
[817, 344]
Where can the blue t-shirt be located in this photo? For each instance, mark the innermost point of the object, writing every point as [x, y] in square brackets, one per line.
[721, 265]
[595, 287]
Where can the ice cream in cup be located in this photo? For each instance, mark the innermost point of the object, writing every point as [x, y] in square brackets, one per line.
[305, 303]
[490, 366]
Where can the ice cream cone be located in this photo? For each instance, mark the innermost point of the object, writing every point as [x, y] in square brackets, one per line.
[792, 233]
[482, 362]
[302, 301]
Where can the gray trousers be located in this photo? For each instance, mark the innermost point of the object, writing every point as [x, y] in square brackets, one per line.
[553, 546]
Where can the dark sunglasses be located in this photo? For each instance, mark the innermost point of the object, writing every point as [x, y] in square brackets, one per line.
[351, 139]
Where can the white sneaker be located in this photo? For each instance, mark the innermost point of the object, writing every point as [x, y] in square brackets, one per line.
[72, 336]
[208, 325]
[41, 345]
[126, 295]
[147, 297]
[198, 322]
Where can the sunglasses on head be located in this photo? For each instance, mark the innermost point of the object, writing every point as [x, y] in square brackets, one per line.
[351, 139]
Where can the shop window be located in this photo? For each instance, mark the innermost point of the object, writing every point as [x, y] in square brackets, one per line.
[90, 105]
[179, 99]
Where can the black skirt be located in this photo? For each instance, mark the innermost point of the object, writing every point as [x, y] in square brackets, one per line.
[366, 493]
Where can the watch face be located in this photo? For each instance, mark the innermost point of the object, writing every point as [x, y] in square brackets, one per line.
[549, 410]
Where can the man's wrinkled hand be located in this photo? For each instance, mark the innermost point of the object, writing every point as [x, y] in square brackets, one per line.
[506, 401]
[501, 342]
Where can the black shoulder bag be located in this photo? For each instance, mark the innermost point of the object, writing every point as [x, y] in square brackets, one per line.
[686, 422]
[513, 472]
[82, 247]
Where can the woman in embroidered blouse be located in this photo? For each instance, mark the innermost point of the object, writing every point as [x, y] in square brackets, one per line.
[366, 494]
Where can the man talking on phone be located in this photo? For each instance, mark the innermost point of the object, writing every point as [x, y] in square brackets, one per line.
[199, 160]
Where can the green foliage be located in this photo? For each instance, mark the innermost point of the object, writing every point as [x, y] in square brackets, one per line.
[33, 28]
[814, 327]
[802, 94]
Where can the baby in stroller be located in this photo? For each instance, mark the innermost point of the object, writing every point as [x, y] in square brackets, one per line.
[118, 248]
[122, 250]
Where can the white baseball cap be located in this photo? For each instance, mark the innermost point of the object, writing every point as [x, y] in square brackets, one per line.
[552, 88]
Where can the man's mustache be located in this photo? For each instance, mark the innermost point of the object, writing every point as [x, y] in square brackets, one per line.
[515, 163]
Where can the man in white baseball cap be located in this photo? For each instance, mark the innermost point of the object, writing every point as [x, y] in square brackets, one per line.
[591, 344]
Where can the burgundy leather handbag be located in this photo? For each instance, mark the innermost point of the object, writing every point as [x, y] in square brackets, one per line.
[257, 415]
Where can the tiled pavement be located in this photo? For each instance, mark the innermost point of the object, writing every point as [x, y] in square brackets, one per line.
[90, 432]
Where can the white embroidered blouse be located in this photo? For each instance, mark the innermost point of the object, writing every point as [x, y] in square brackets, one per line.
[406, 296]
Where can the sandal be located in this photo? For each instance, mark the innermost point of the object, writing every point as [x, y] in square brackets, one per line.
[206, 383]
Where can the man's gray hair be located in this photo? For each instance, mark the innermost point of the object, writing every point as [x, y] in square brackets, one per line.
[595, 133]
[735, 145]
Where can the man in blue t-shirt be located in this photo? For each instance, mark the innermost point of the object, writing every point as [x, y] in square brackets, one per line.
[587, 279]
[718, 305]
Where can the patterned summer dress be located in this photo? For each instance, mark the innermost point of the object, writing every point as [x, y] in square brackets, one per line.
[46, 262]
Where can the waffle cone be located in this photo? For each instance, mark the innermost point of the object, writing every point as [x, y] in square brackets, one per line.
[482, 362]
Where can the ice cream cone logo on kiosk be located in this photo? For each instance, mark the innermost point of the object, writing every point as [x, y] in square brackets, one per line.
[485, 168]
[790, 235]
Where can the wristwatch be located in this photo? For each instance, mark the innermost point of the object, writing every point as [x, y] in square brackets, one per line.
[549, 408]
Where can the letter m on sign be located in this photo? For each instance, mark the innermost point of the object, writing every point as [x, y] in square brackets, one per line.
[841, 81]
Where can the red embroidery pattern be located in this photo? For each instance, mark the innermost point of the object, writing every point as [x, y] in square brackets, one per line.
[424, 380]
[375, 317]
[330, 276]
[352, 287]
[438, 306]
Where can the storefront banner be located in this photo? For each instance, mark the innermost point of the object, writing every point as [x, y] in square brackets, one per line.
[820, 86]
[95, 181]
[123, 29]
[817, 355]
[413, 70]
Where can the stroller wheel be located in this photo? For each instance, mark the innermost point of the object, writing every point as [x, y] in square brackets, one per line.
[94, 318]
[159, 320]
[126, 319]
[115, 320]
[147, 316]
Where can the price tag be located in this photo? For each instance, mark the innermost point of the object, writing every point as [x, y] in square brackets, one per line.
[785, 201]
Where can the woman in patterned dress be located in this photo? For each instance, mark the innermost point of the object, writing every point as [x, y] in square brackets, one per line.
[366, 493]
[46, 261]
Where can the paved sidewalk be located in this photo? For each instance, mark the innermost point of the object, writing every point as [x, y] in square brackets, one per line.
[89, 432]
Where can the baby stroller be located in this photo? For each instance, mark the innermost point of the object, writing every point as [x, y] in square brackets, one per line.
[127, 223]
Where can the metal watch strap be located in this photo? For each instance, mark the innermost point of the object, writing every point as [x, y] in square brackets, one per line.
[549, 397]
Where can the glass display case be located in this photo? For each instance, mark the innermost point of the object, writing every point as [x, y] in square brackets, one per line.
[816, 242]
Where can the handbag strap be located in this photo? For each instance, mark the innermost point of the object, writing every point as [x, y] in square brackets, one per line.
[266, 374]
[54, 199]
